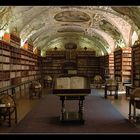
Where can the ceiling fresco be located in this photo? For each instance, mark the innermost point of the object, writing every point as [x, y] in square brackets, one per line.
[99, 28]
[72, 16]
[70, 29]
[131, 12]
[108, 28]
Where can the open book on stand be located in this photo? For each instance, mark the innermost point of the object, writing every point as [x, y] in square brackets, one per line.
[74, 82]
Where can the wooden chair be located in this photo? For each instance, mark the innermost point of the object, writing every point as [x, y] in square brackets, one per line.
[135, 103]
[48, 81]
[35, 90]
[111, 86]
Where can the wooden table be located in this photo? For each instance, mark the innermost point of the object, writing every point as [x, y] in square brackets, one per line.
[129, 88]
[72, 94]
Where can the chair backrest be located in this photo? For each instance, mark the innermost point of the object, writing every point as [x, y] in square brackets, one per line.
[111, 82]
[135, 94]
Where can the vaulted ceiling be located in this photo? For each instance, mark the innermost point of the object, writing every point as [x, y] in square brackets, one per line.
[99, 28]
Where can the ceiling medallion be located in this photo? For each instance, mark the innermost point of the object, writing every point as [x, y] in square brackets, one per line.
[72, 16]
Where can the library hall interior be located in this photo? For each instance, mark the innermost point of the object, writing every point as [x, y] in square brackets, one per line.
[69, 69]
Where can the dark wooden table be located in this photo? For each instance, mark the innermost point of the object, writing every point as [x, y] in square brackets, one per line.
[72, 94]
[129, 88]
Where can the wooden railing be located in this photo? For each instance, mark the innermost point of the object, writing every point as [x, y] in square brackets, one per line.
[13, 88]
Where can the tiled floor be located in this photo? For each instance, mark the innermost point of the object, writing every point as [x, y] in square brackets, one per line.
[24, 105]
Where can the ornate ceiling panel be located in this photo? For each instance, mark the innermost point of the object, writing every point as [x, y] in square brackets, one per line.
[72, 16]
[108, 28]
[99, 28]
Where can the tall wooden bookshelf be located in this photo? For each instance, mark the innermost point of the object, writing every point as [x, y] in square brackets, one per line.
[29, 66]
[83, 63]
[5, 59]
[87, 63]
[102, 68]
[17, 65]
[109, 65]
[52, 63]
[136, 65]
[122, 64]
[15, 40]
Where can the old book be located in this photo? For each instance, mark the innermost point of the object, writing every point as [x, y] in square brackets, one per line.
[62, 83]
[74, 82]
